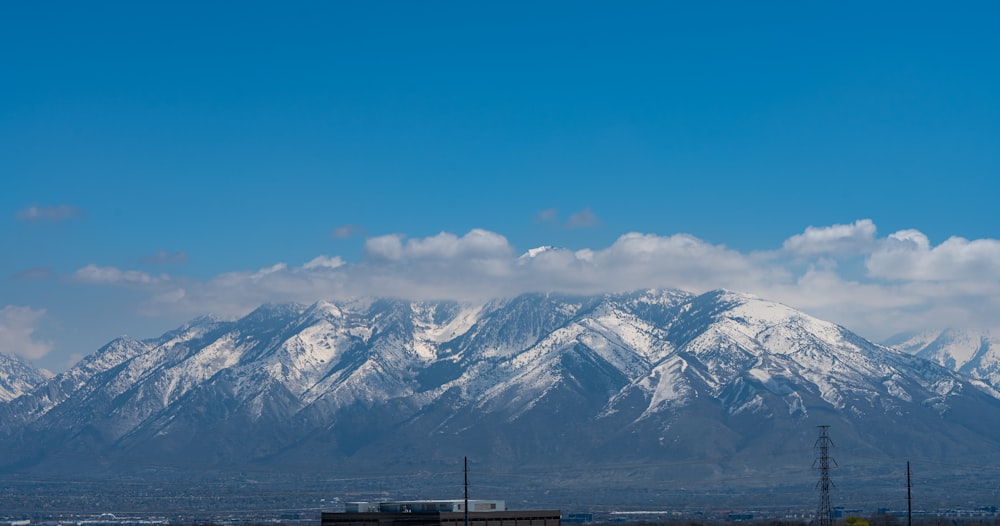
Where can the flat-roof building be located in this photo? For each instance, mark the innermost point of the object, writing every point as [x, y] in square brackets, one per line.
[424, 506]
[438, 513]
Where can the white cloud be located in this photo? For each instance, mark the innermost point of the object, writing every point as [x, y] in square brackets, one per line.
[348, 231]
[836, 239]
[111, 275]
[319, 262]
[873, 309]
[170, 296]
[476, 244]
[635, 261]
[273, 269]
[908, 255]
[549, 215]
[682, 261]
[388, 247]
[48, 214]
[583, 219]
[876, 286]
[480, 264]
[17, 332]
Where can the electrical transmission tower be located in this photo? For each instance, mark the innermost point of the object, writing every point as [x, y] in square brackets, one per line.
[824, 513]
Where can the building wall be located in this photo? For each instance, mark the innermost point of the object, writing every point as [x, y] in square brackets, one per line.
[499, 518]
[504, 518]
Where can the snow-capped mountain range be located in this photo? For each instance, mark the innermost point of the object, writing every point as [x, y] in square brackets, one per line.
[727, 386]
[17, 377]
[974, 353]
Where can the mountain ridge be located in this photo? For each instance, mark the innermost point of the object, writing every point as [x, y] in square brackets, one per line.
[971, 352]
[18, 376]
[724, 380]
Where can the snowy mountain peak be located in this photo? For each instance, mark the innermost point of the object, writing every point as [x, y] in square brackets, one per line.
[17, 377]
[640, 376]
[975, 353]
[111, 355]
[537, 251]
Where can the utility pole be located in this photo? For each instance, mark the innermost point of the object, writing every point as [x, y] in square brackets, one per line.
[466, 505]
[909, 500]
[824, 513]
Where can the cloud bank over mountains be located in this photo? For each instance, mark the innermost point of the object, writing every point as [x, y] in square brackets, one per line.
[17, 331]
[847, 273]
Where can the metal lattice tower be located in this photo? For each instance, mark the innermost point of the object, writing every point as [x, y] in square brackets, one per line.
[824, 513]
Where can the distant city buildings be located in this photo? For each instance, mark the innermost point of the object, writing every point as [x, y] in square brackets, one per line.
[438, 513]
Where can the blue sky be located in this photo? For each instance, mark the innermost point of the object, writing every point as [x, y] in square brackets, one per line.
[163, 161]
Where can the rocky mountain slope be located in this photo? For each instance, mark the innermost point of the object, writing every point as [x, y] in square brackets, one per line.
[974, 353]
[645, 389]
[17, 377]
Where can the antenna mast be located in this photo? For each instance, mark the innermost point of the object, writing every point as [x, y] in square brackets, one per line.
[824, 513]
[466, 505]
